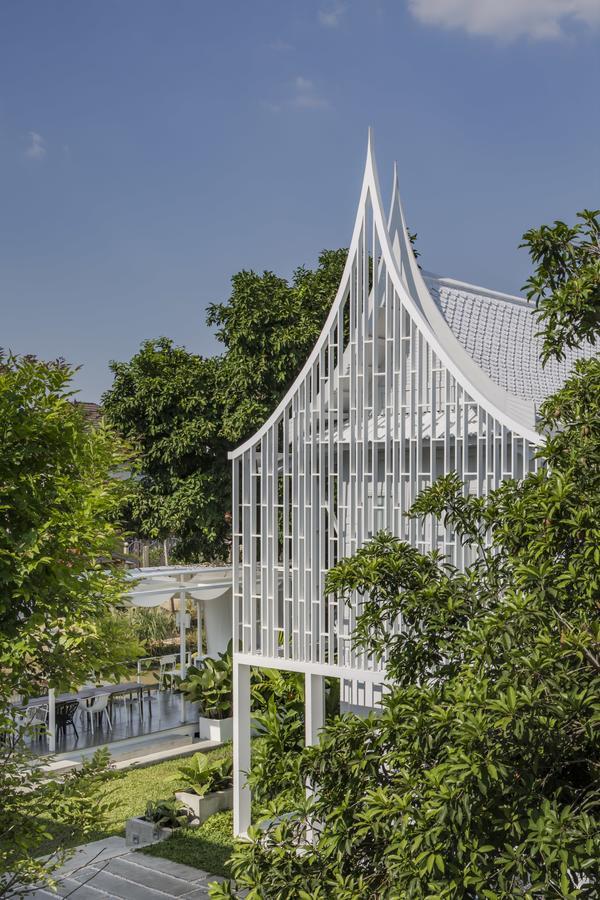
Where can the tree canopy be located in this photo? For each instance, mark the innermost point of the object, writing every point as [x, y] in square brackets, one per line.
[59, 507]
[268, 327]
[163, 401]
[59, 504]
[565, 287]
[182, 412]
[480, 777]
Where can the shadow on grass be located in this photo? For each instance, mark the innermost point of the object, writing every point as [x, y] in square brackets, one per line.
[206, 847]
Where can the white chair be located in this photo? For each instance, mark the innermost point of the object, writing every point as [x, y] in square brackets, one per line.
[97, 707]
[168, 671]
[33, 718]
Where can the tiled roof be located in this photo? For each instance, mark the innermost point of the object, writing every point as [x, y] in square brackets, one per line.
[498, 332]
[91, 411]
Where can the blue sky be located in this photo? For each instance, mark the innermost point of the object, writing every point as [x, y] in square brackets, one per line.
[149, 150]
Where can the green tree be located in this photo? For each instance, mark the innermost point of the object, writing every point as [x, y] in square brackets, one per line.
[182, 413]
[59, 505]
[164, 402]
[59, 592]
[268, 327]
[480, 778]
[566, 284]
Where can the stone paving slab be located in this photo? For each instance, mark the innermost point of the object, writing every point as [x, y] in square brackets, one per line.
[94, 852]
[68, 887]
[179, 870]
[129, 876]
[152, 878]
[125, 887]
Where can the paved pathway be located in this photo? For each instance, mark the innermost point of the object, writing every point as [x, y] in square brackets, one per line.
[109, 869]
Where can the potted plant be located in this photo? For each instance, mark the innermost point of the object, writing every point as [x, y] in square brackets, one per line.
[210, 685]
[208, 785]
[157, 824]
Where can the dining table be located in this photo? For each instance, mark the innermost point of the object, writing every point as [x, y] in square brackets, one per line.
[113, 690]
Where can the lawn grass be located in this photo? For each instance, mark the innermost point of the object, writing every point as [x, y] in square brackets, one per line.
[128, 791]
[207, 847]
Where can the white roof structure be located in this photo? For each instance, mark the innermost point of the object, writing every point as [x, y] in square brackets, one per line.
[413, 376]
[153, 585]
[210, 589]
[500, 333]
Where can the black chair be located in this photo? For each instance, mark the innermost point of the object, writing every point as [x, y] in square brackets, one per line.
[65, 714]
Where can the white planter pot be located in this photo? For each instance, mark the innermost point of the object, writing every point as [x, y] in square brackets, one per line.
[220, 730]
[203, 807]
[141, 833]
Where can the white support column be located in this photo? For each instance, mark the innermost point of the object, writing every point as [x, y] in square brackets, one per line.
[199, 620]
[242, 798]
[51, 720]
[314, 707]
[182, 651]
[314, 720]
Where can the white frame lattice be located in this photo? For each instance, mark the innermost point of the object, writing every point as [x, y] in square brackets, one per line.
[387, 401]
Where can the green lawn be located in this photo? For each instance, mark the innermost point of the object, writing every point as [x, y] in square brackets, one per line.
[207, 847]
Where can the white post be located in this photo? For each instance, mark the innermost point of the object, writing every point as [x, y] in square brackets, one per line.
[242, 798]
[314, 720]
[199, 616]
[182, 651]
[314, 706]
[51, 721]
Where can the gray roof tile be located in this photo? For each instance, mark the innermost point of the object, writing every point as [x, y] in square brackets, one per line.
[499, 334]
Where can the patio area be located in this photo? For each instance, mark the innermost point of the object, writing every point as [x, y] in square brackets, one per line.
[148, 703]
[132, 715]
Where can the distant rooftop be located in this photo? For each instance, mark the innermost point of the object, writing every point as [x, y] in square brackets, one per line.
[92, 411]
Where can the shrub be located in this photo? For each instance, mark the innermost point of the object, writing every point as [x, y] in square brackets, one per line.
[203, 775]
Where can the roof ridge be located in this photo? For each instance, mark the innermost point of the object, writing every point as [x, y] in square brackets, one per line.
[477, 289]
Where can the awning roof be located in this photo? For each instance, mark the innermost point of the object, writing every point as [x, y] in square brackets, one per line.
[157, 584]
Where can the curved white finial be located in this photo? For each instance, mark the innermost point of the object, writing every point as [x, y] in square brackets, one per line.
[410, 274]
[402, 247]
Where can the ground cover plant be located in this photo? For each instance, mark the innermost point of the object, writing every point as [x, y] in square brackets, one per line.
[206, 847]
[480, 778]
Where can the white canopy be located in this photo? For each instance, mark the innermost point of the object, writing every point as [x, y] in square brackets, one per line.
[156, 584]
[209, 586]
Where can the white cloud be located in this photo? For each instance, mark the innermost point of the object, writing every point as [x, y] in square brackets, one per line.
[306, 96]
[539, 19]
[36, 148]
[330, 16]
[301, 94]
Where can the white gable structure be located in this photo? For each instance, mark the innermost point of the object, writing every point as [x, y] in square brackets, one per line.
[413, 376]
